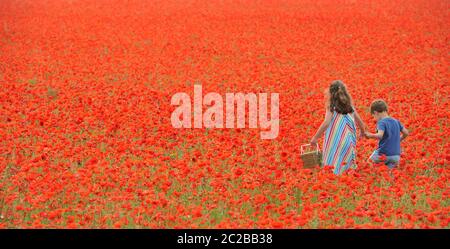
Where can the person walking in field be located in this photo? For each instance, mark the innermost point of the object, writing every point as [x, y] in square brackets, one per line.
[390, 133]
[339, 148]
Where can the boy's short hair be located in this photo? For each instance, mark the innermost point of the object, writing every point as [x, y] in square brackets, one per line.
[379, 106]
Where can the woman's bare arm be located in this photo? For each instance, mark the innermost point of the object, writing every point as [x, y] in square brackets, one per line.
[359, 122]
[323, 127]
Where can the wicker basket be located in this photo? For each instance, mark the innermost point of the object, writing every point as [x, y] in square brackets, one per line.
[310, 158]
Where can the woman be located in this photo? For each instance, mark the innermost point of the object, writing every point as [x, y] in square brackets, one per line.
[340, 138]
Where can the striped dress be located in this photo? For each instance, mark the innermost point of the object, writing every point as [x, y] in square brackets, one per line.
[340, 142]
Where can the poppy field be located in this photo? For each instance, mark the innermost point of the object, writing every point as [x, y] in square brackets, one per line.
[86, 139]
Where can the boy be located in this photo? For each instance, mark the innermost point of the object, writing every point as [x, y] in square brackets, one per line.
[388, 132]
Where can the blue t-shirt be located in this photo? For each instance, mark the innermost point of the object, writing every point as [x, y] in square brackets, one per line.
[389, 144]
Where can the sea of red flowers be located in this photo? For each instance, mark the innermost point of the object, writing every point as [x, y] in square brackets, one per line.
[86, 139]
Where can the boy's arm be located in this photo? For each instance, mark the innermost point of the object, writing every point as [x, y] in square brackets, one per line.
[381, 127]
[378, 135]
[405, 133]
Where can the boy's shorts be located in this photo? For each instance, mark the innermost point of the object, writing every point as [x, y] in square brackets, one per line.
[391, 161]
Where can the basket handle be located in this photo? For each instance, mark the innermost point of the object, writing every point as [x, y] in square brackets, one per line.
[306, 145]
